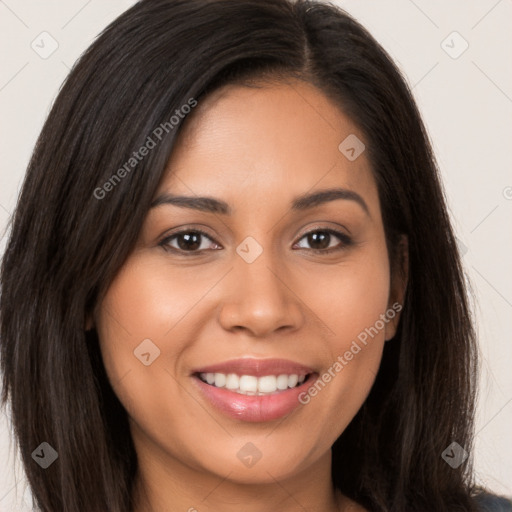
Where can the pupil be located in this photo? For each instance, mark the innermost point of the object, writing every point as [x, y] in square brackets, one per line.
[319, 237]
[192, 241]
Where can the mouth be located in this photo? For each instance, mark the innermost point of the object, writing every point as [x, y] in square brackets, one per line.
[251, 385]
[254, 390]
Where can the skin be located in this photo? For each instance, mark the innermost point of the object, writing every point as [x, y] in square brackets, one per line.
[256, 149]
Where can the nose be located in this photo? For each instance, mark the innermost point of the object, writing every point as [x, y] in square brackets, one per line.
[258, 299]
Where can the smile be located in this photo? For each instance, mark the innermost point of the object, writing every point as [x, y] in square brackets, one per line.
[252, 385]
[254, 390]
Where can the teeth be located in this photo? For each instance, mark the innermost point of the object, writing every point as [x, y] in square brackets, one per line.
[267, 384]
[292, 381]
[220, 380]
[232, 381]
[251, 385]
[282, 382]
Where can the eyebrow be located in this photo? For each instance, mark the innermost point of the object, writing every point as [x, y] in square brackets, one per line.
[300, 203]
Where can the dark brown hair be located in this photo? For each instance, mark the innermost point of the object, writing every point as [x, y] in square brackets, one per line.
[66, 245]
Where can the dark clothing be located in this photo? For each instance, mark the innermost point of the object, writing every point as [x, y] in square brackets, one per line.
[493, 503]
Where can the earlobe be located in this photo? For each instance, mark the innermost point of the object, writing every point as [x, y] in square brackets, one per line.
[393, 315]
[399, 279]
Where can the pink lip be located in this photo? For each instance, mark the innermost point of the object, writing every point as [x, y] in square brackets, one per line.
[256, 367]
[253, 408]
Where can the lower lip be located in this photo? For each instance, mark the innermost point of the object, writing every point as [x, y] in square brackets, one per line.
[254, 408]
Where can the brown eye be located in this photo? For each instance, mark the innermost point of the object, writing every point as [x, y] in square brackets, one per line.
[195, 241]
[187, 241]
[320, 240]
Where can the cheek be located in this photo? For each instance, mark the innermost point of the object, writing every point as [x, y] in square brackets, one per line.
[139, 298]
[350, 302]
[143, 303]
[147, 301]
[140, 305]
[352, 297]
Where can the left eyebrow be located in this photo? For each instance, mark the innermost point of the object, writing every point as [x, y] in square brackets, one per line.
[300, 203]
[330, 194]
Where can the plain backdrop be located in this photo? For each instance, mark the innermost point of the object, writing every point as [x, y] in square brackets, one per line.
[457, 58]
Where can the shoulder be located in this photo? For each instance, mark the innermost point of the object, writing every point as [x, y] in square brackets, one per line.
[493, 503]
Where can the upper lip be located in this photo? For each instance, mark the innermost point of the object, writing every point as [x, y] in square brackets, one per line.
[257, 367]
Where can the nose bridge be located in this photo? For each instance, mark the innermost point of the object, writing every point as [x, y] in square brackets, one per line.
[259, 276]
[256, 271]
[260, 300]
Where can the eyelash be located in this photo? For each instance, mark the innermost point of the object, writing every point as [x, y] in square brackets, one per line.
[346, 241]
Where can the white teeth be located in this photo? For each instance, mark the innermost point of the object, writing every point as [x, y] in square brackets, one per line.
[220, 380]
[232, 381]
[267, 384]
[292, 380]
[251, 385]
[282, 382]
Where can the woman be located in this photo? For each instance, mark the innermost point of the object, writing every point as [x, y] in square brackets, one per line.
[231, 281]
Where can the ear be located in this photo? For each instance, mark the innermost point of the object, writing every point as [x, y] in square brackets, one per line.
[399, 278]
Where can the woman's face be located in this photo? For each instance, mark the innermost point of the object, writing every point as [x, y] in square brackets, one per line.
[255, 304]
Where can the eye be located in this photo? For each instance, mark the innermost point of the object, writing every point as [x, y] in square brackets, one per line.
[192, 241]
[188, 241]
[321, 240]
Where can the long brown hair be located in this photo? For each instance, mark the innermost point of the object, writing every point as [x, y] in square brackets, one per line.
[66, 245]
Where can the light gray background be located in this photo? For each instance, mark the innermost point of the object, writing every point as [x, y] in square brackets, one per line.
[466, 103]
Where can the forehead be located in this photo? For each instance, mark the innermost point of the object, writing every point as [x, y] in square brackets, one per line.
[261, 139]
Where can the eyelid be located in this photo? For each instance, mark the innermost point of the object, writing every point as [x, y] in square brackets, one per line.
[323, 227]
